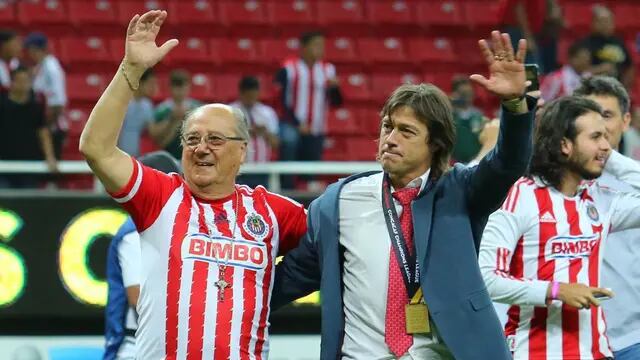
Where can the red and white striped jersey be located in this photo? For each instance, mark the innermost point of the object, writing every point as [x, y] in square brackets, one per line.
[540, 235]
[559, 83]
[306, 92]
[183, 240]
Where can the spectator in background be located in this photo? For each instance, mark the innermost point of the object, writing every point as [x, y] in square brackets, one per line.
[307, 85]
[170, 114]
[263, 127]
[563, 81]
[10, 51]
[538, 21]
[139, 115]
[23, 131]
[609, 55]
[631, 137]
[49, 79]
[123, 276]
[468, 119]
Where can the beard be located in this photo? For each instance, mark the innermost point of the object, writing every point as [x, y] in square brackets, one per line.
[578, 164]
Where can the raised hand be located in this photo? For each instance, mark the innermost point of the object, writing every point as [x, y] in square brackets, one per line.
[141, 51]
[507, 78]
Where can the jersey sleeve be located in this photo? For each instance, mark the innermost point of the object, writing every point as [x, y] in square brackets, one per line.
[146, 193]
[625, 208]
[292, 221]
[501, 235]
[129, 259]
[56, 95]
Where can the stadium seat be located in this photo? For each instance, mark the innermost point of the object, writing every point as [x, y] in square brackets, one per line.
[445, 13]
[386, 12]
[276, 50]
[35, 14]
[85, 50]
[85, 88]
[468, 52]
[342, 17]
[627, 16]
[362, 148]
[440, 79]
[127, 8]
[77, 118]
[235, 51]
[336, 148]
[202, 87]
[189, 13]
[355, 87]
[341, 50]
[432, 50]
[226, 87]
[92, 12]
[249, 15]
[7, 14]
[342, 121]
[369, 120]
[191, 51]
[577, 17]
[382, 85]
[292, 12]
[482, 14]
[381, 51]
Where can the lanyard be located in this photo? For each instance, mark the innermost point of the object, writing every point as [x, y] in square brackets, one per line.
[409, 267]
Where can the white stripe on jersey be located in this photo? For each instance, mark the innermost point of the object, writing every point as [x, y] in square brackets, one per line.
[135, 188]
[302, 96]
[269, 282]
[208, 343]
[238, 285]
[247, 202]
[319, 103]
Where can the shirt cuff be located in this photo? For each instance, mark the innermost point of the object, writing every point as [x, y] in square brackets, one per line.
[537, 293]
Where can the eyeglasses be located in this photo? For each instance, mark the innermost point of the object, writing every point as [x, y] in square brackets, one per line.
[211, 140]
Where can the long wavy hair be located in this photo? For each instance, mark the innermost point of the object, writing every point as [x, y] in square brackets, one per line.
[433, 108]
[558, 122]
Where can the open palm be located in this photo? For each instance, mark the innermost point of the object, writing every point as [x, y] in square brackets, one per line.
[141, 50]
[507, 78]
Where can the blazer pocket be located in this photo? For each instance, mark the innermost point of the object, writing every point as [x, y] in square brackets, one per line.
[480, 300]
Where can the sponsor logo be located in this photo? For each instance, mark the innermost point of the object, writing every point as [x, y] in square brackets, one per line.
[547, 218]
[570, 247]
[255, 225]
[222, 250]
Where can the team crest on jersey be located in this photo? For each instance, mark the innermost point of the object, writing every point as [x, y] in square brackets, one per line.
[255, 225]
[592, 212]
[223, 250]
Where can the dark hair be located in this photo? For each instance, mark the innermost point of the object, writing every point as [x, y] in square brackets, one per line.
[458, 81]
[161, 161]
[308, 36]
[248, 83]
[6, 35]
[36, 40]
[18, 70]
[178, 78]
[433, 108]
[558, 121]
[605, 86]
[146, 75]
[576, 47]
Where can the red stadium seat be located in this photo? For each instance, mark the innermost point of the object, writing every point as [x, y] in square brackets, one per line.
[203, 87]
[292, 12]
[234, 51]
[387, 50]
[92, 12]
[7, 14]
[387, 12]
[247, 13]
[577, 17]
[127, 8]
[77, 118]
[276, 50]
[341, 50]
[369, 120]
[445, 13]
[35, 14]
[627, 16]
[469, 54]
[85, 87]
[355, 87]
[226, 87]
[85, 50]
[432, 50]
[342, 121]
[190, 51]
[441, 79]
[189, 13]
[336, 148]
[383, 85]
[342, 17]
[482, 14]
[363, 148]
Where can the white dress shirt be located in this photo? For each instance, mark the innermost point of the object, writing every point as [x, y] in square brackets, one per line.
[364, 235]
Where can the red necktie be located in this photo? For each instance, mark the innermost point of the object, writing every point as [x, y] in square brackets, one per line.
[395, 330]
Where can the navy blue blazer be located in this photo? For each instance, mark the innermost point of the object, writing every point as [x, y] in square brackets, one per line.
[448, 221]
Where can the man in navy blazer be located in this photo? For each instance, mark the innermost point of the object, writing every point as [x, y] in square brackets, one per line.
[416, 293]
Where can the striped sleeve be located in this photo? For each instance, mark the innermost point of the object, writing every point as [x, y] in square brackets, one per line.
[292, 220]
[145, 194]
[625, 209]
[501, 253]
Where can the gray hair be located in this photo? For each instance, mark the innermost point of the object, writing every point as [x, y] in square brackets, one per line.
[242, 127]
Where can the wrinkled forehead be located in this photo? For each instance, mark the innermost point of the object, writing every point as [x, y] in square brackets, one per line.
[211, 118]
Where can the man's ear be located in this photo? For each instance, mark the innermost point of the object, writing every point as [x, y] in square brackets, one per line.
[626, 120]
[566, 146]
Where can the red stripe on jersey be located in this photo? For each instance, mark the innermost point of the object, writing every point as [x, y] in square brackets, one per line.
[498, 260]
[516, 270]
[174, 274]
[538, 330]
[570, 315]
[198, 298]
[249, 294]
[224, 312]
[594, 261]
[260, 208]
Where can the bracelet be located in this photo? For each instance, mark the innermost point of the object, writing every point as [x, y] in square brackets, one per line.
[514, 105]
[124, 72]
[555, 286]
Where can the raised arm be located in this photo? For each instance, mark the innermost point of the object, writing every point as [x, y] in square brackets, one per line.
[626, 206]
[489, 182]
[98, 142]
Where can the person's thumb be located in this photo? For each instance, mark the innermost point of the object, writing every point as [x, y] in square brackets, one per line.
[167, 46]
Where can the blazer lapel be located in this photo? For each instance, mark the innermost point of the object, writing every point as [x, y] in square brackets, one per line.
[422, 211]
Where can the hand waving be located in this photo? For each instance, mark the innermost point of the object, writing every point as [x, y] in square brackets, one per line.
[507, 78]
[141, 50]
